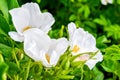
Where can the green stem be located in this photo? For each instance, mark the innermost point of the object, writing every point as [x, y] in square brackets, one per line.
[82, 73]
[16, 60]
[28, 69]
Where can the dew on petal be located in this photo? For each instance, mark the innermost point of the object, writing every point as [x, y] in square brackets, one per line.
[47, 57]
[76, 48]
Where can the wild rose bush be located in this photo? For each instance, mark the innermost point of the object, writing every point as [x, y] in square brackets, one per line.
[76, 39]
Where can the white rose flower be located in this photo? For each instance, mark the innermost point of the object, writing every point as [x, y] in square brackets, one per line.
[42, 48]
[29, 16]
[83, 42]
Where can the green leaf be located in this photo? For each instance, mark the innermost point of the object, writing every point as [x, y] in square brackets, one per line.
[12, 4]
[36, 70]
[101, 21]
[112, 52]
[72, 17]
[1, 58]
[113, 31]
[61, 31]
[4, 8]
[3, 69]
[4, 25]
[91, 24]
[118, 1]
[93, 3]
[63, 62]
[67, 65]
[86, 11]
[81, 9]
[101, 42]
[98, 75]
[5, 50]
[13, 69]
[110, 65]
[4, 39]
[38, 1]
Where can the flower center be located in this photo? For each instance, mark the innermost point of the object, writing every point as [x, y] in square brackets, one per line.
[47, 57]
[76, 48]
[26, 28]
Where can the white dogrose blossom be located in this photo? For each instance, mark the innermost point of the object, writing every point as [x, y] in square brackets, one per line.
[29, 16]
[82, 42]
[44, 49]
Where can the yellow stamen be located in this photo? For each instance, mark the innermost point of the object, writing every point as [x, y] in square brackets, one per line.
[76, 48]
[47, 57]
[26, 28]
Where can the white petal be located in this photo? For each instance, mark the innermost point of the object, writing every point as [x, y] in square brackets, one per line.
[46, 20]
[54, 58]
[104, 2]
[92, 62]
[44, 60]
[34, 42]
[33, 8]
[84, 40]
[110, 1]
[35, 14]
[89, 42]
[42, 20]
[61, 46]
[15, 36]
[56, 49]
[32, 51]
[71, 29]
[77, 38]
[20, 18]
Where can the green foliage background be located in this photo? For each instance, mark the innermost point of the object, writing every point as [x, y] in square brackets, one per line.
[100, 20]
